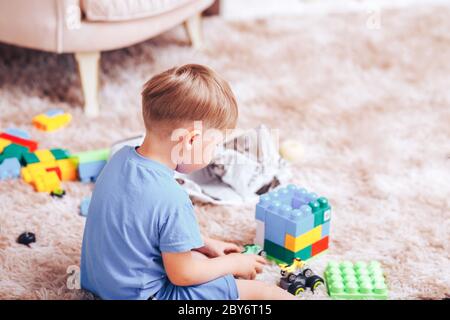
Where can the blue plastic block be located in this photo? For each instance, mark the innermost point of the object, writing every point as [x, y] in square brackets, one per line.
[54, 112]
[18, 133]
[275, 224]
[325, 229]
[10, 168]
[89, 171]
[84, 206]
[301, 221]
[302, 197]
[263, 204]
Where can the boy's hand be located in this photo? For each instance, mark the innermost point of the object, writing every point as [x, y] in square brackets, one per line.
[246, 266]
[215, 248]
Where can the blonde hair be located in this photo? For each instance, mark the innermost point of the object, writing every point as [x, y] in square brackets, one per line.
[189, 93]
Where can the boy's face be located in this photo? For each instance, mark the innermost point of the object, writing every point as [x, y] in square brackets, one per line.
[198, 151]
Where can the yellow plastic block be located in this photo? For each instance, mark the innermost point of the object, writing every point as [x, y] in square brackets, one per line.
[47, 182]
[44, 155]
[68, 169]
[46, 123]
[304, 240]
[4, 143]
[34, 170]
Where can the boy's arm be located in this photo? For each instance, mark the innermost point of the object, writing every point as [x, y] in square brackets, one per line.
[214, 248]
[185, 270]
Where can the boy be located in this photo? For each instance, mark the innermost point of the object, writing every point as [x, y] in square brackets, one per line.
[141, 238]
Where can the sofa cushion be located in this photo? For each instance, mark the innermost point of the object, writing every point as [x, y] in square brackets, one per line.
[122, 10]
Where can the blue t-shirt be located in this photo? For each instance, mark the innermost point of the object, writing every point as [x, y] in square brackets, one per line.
[137, 211]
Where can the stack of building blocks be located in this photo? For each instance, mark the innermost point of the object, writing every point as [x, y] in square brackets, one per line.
[14, 144]
[45, 169]
[51, 120]
[360, 280]
[292, 223]
[91, 163]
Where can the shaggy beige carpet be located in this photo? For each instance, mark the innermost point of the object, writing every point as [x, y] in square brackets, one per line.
[371, 108]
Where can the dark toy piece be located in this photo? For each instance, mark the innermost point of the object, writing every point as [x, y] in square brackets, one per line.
[26, 238]
[59, 193]
[297, 277]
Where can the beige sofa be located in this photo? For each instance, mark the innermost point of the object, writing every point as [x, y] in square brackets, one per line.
[87, 27]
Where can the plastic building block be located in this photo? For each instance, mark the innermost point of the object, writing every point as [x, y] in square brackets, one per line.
[47, 182]
[9, 168]
[325, 229]
[91, 156]
[319, 246]
[4, 143]
[276, 220]
[360, 280]
[29, 158]
[68, 169]
[13, 151]
[283, 255]
[44, 155]
[89, 171]
[18, 133]
[259, 238]
[51, 123]
[55, 169]
[59, 154]
[30, 144]
[84, 206]
[304, 240]
[290, 221]
[301, 222]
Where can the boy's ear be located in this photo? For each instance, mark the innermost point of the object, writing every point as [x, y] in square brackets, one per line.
[190, 137]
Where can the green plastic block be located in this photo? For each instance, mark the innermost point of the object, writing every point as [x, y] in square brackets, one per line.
[29, 158]
[360, 280]
[60, 153]
[13, 151]
[278, 252]
[319, 207]
[305, 253]
[285, 255]
[91, 156]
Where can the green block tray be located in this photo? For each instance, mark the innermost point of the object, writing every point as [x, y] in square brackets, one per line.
[360, 280]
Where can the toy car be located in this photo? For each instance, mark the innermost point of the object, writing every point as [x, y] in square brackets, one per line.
[297, 277]
[254, 249]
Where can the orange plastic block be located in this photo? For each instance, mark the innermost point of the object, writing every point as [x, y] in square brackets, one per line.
[44, 155]
[4, 143]
[46, 123]
[68, 169]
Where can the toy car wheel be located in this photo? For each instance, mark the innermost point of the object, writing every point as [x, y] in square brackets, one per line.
[292, 277]
[262, 253]
[314, 282]
[308, 273]
[296, 289]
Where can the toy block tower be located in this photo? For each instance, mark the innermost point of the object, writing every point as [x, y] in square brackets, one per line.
[292, 223]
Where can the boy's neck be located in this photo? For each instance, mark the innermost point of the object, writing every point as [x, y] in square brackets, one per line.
[155, 149]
